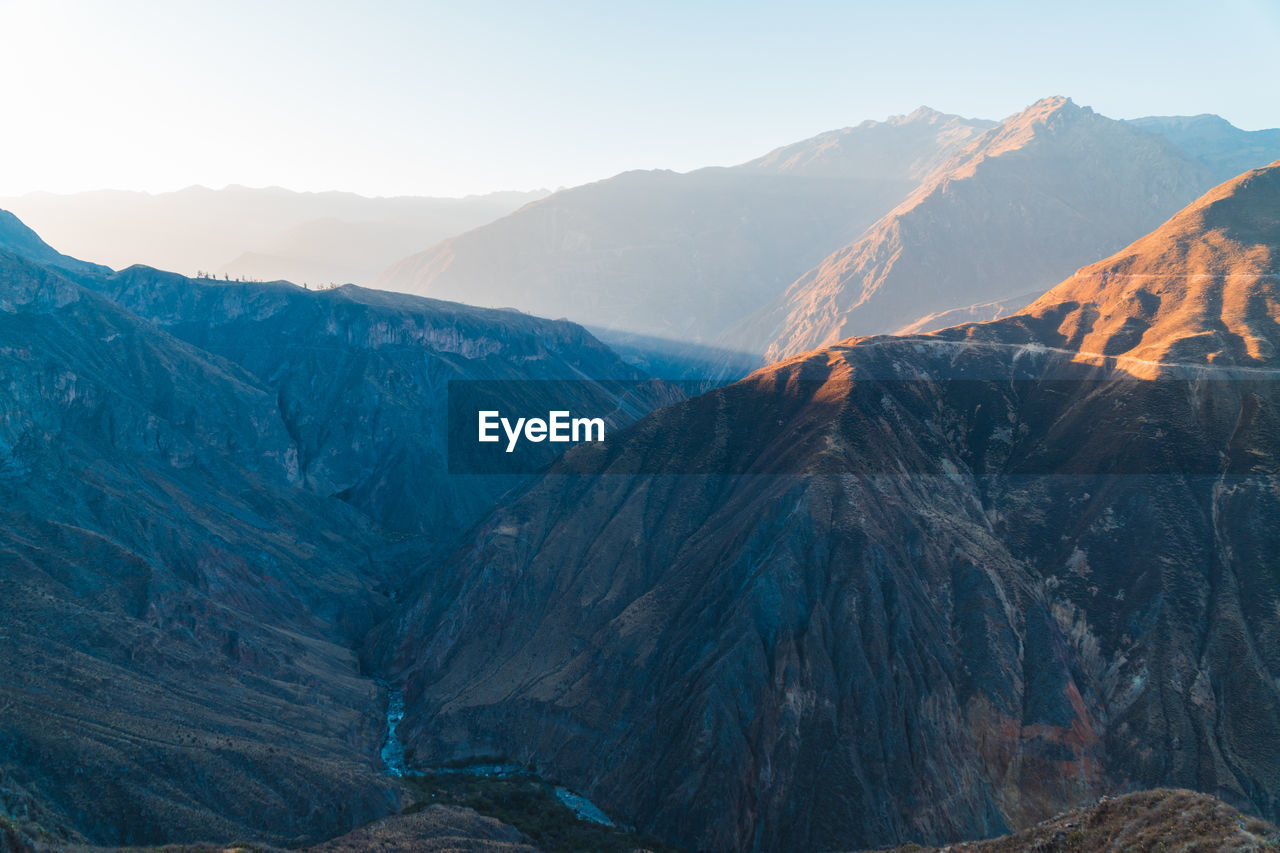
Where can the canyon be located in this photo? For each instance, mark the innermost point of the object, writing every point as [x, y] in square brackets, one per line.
[901, 585]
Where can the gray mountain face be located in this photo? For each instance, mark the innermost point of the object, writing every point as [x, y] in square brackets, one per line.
[682, 256]
[1047, 191]
[919, 589]
[260, 234]
[362, 380]
[911, 147]
[176, 636]
[1224, 148]
[202, 512]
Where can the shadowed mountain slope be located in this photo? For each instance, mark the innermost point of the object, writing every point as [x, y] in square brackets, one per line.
[201, 514]
[916, 589]
[175, 649]
[362, 380]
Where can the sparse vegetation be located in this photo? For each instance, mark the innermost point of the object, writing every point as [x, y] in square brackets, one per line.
[529, 804]
[1145, 822]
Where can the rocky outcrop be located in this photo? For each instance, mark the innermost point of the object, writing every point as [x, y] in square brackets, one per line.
[435, 829]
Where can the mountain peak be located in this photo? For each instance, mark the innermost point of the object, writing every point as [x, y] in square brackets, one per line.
[922, 113]
[1203, 287]
[1049, 113]
[900, 147]
[1047, 118]
[1019, 208]
[1053, 103]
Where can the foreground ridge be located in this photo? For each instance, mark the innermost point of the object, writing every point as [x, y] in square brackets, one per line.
[1159, 820]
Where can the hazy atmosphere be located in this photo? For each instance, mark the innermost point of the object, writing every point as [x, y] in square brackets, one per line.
[565, 427]
[447, 99]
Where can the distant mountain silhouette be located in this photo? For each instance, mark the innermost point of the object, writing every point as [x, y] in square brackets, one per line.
[1224, 148]
[941, 220]
[683, 256]
[909, 146]
[263, 234]
[16, 238]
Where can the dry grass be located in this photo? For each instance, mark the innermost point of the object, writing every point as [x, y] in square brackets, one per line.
[1158, 821]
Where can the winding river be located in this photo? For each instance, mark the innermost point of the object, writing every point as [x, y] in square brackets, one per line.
[393, 758]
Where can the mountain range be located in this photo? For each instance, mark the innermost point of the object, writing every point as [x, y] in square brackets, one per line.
[263, 234]
[891, 589]
[209, 491]
[1045, 192]
[946, 586]
[683, 256]
[920, 222]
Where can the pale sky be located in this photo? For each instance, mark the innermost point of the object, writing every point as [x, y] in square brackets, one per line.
[450, 98]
